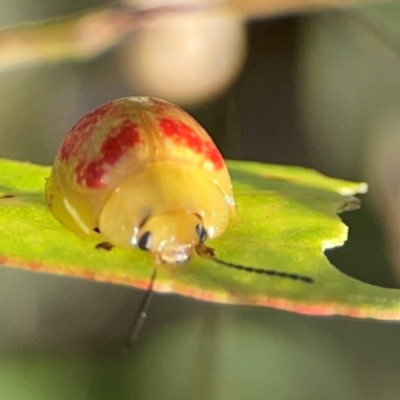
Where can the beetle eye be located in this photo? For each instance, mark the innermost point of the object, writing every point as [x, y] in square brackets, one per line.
[201, 231]
[144, 241]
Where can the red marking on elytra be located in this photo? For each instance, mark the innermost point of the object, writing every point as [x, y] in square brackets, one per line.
[213, 154]
[81, 132]
[185, 135]
[90, 174]
[121, 139]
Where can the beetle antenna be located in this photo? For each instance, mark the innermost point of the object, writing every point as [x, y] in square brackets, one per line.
[141, 314]
[208, 252]
[269, 272]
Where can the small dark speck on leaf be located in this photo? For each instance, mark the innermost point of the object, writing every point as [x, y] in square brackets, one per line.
[280, 178]
[104, 246]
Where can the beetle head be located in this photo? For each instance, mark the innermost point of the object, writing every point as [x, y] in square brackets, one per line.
[172, 238]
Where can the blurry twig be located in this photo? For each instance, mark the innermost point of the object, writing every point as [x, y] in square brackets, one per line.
[78, 37]
[93, 32]
[262, 8]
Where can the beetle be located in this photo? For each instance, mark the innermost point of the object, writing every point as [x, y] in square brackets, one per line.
[144, 174]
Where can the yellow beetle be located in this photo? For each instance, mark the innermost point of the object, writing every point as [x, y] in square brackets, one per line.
[143, 173]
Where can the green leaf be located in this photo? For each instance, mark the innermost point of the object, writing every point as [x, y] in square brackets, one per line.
[287, 216]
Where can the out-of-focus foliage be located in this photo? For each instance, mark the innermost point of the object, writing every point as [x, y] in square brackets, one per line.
[350, 98]
[192, 51]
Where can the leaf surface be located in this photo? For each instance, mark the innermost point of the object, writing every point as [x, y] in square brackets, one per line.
[287, 217]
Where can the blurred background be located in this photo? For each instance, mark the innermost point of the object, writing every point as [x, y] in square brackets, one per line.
[318, 89]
